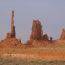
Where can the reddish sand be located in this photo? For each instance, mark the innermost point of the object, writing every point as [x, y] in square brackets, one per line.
[14, 48]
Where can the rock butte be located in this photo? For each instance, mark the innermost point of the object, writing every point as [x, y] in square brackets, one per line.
[37, 37]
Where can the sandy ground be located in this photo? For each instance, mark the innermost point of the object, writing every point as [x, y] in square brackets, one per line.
[47, 54]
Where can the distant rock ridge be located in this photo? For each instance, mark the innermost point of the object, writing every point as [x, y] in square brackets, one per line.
[37, 37]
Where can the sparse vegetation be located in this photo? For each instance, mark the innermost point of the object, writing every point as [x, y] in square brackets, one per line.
[15, 61]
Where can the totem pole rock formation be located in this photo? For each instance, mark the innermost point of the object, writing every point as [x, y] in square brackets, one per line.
[11, 41]
[63, 35]
[12, 34]
[36, 30]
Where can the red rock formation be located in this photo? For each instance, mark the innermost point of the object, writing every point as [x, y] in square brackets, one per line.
[37, 33]
[12, 34]
[36, 30]
[45, 37]
[11, 43]
[63, 35]
[11, 40]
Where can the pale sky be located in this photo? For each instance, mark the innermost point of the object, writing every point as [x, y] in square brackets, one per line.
[51, 13]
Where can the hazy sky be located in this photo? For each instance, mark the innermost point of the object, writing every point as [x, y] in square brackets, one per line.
[51, 13]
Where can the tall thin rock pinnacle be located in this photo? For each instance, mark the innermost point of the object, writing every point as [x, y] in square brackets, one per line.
[12, 21]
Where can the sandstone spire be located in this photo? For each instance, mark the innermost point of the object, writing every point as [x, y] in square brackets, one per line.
[12, 25]
[63, 35]
[12, 21]
[36, 30]
[12, 34]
